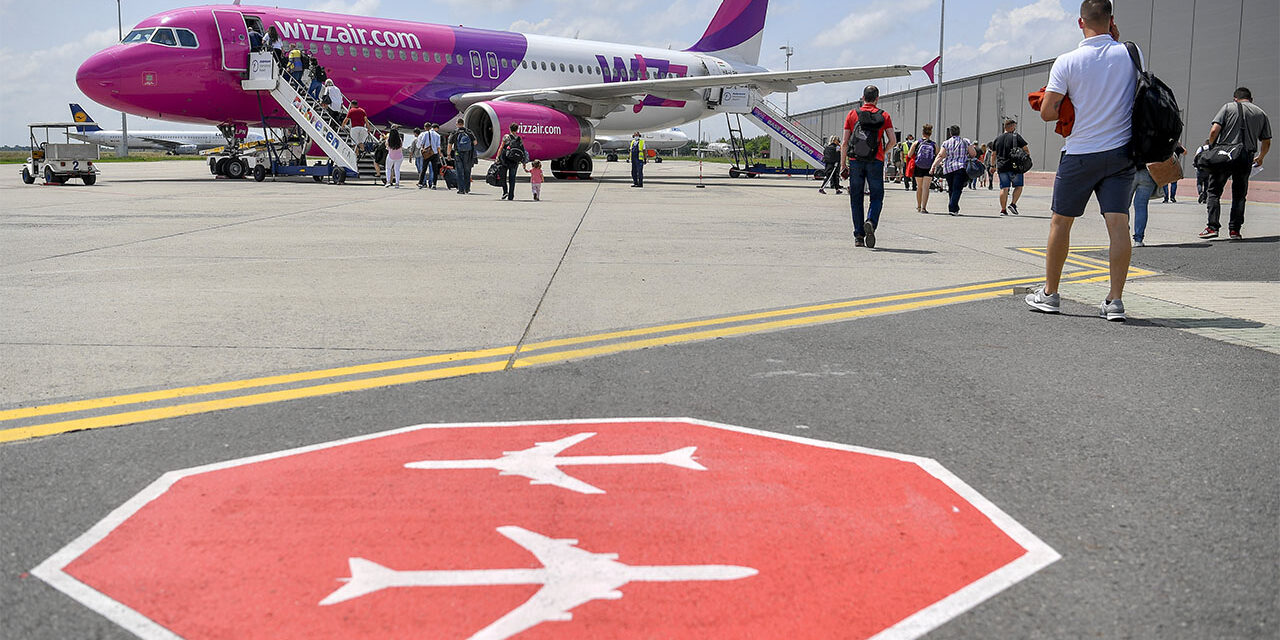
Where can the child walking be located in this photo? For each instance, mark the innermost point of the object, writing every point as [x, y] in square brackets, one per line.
[535, 179]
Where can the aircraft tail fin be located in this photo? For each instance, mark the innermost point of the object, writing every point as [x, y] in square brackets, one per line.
[736, 31]
[79, 115]
[683, 458]
[366, 577]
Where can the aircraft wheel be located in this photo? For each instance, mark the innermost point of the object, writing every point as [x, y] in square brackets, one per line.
[581, 165]
[613, 157]
[260, 173]
[27, 178]
[89, 179]
[236, 169]
[221, 168]
[558, 175]
[657, 159]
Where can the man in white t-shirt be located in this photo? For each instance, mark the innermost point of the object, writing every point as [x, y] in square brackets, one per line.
[1101, 80]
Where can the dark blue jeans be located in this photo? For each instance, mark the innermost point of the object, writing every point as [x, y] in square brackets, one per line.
[637, 173]
[956, 180]
[871, 176]
[509, 181]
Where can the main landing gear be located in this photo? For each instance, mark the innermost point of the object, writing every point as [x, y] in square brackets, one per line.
[575, 167]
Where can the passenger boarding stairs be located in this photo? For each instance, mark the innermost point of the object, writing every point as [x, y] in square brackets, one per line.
[312, 117]
[793, 136]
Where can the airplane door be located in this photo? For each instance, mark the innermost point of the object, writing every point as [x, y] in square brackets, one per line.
[477, 70]
[492, 58]
[235, 40]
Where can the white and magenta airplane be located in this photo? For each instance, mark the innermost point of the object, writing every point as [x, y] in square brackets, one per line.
[186, 65]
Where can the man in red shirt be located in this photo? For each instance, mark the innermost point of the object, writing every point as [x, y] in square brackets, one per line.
[862, 162]
[357, 119]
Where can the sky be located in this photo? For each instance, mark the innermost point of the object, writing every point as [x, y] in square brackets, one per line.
[39, 56]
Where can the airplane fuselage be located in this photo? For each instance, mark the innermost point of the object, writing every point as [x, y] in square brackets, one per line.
[401, 72]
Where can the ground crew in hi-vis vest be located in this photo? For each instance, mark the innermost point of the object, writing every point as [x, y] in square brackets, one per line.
[638, 158]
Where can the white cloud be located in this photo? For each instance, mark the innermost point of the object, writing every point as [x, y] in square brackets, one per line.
[864, 25]
[40, 82]
[1037, 31]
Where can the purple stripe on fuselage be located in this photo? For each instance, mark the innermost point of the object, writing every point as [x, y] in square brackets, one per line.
[428, 101]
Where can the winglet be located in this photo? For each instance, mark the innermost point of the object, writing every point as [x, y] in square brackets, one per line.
[366, 577]
[682, 458]
[929, 68]
[736, 31]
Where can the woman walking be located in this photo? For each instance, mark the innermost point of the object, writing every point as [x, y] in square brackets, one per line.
[924, 151]
[952, 163]
[831, 158]
[395, 156]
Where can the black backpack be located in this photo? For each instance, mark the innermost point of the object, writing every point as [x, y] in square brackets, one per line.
[1018, 161]
[1157, 123]
[513, 151]
[866, 135]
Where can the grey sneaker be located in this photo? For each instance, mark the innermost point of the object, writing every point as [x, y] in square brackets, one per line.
[1112, 310]
[1040, 301]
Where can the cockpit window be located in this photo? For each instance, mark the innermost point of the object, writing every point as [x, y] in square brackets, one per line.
[137, 35]
[186, 38]
[164, 37]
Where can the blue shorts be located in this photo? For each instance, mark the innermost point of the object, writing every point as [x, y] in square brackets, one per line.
[1108, 174]
[1009, 179]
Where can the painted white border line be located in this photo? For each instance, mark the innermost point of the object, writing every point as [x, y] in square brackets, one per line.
[1038, 554]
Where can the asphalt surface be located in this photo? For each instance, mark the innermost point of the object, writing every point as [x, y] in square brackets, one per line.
[1144, 455]
[1251, 259]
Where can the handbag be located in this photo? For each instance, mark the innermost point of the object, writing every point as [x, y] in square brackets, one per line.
[1221, 155]
[911, 167]
[1166, 171]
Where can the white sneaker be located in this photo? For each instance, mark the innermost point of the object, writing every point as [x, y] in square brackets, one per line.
[1139, 243]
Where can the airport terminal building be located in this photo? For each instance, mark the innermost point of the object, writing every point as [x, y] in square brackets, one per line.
[1203, 49]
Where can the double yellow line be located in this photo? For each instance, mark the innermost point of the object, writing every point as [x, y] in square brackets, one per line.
[120, 410]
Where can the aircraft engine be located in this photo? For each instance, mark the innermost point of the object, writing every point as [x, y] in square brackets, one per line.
[187, 150]
[548, 134]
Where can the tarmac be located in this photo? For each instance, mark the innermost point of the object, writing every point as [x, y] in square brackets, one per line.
[163, 320]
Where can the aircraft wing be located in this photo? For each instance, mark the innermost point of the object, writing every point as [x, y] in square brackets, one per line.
[553, 448]
[167, 144]
[611, 94]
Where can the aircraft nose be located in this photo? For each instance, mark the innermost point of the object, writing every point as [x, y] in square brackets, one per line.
[99, 74]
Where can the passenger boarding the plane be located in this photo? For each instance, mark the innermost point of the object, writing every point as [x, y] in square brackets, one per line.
[357, 119]
[276, 44]
[334, 100]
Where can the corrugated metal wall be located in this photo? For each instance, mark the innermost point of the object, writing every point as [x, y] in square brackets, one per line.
[1203, 49]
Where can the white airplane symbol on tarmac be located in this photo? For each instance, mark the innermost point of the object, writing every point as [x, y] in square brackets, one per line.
[569, 576]
[540, 464]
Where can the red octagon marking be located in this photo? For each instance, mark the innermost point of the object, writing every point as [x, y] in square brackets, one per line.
[489, 534]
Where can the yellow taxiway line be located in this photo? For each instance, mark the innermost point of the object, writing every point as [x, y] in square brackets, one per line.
[494, 359]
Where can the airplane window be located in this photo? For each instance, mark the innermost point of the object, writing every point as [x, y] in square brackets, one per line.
[448, 58]
[403, 56]
[377, 53]
[341, 51]
[138, 35]
[580, 69]
[164, 37]
[561, 67]
[314, 49]
[365, 51]
[524, 65]
[328, 51]
[187, 38]
[544, 66]
[353, 51]
[413, 55]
